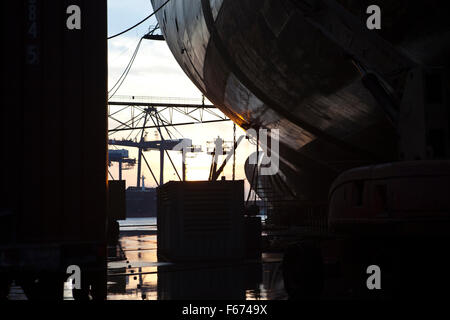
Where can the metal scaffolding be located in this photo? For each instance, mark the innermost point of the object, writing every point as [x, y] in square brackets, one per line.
[170, 112]
[135, 114]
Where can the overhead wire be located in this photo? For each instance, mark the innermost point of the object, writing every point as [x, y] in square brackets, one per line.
[124, 74]
[121, 79]
[140, 22]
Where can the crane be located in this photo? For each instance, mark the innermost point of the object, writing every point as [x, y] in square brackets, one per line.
[161, 145]
[120, 156]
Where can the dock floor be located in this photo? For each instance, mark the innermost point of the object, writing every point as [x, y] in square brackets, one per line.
[136, 274]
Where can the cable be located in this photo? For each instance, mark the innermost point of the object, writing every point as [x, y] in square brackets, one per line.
[121, 79]
[143, 20]
[127, 67]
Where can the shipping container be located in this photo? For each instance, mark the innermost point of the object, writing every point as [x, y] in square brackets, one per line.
[217, 281]
[201, 220]
[53, 129]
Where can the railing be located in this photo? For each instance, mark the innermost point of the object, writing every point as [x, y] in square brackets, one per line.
[282, 210]
[161, 100]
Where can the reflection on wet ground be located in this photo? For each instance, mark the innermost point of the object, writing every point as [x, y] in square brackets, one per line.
[134, 273]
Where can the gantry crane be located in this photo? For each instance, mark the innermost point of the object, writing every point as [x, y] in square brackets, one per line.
[120, 156]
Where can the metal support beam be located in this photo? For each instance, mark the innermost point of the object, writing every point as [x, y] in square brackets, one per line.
[164, 113]
[140, 154]
[150, 169]
[120, 169]
[187, 111]
[183, 164]
[169, 125]
[218, 172]
[158, 37]
[138, 182]
[161, 167]
[158, 104]
[234, 151]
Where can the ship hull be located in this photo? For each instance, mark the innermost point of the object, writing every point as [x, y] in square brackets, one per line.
[265, 65]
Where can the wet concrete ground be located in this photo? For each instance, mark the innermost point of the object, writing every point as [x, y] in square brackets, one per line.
[136, 274]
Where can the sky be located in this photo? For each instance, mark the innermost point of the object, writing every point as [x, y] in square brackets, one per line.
[156, 73]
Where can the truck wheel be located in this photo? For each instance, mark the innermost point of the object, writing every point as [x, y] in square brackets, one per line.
[303, 271]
